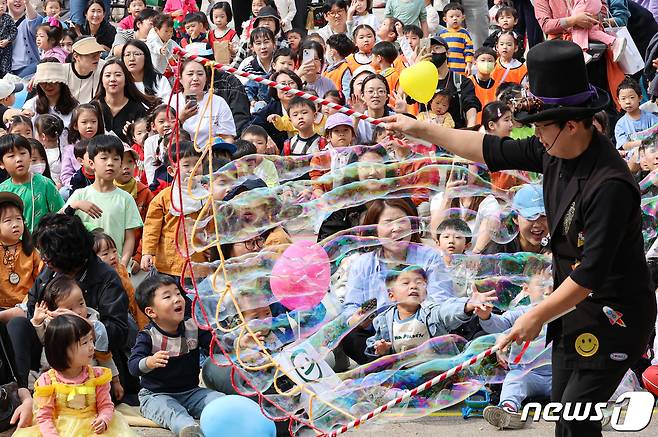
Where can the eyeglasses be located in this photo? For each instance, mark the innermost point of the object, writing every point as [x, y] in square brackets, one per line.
[336, 14]
[540, 127]
[379, 92]
[133, 55]
[254, 244]
[288, 84]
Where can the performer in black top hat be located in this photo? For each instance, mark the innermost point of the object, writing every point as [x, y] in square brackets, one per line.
[593, 210]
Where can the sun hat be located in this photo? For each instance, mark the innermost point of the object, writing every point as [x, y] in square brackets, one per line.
[87, 46]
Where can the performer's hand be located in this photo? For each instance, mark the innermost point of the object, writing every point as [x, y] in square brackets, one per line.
[526, 328]
[400, 123]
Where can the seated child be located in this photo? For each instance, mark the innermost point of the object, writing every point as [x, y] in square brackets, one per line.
[265, 169]
[438, 110]
[453, 237]
[160, 43]
[161, 227]
[106, 249]
[340, 135]
[134, 8]
[635, 119]
[522, 381]
[63, 295]
[195, 29]
[302, 113]
[166, 358]
[66, 405]
[85, 175]
[22, 263]
[412, 320]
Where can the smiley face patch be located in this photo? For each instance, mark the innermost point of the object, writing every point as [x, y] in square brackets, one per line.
[587, 344]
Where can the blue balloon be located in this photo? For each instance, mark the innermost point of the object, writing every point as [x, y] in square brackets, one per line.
[235, 415]
[20, 99]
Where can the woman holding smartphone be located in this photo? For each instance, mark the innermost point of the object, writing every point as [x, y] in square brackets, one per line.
[198, 108]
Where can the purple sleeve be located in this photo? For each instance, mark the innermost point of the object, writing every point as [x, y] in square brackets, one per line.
[69, 165]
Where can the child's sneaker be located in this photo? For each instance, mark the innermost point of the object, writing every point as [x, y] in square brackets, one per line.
[502, 418]
[618, 48]
[191, 431]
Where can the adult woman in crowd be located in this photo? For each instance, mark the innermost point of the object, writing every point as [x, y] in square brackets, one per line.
[83, 74]
[66, 247]
[120, 101]
[278, 104]
[195, 106]
[96, 24]
[530, 218]
[395, 222]
[310, 72]
[137, 58]
[53, 94]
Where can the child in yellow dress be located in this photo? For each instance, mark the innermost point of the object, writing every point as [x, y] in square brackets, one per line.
[73, 398]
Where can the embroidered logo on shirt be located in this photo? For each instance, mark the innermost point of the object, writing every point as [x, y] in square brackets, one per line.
[568, 218]
[614, 316]
[618, 356]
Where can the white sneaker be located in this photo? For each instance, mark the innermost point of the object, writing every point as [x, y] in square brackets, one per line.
[501, 418]
[587, 57]
[618, 48]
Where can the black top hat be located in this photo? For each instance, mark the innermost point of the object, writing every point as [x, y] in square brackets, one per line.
[559, 87]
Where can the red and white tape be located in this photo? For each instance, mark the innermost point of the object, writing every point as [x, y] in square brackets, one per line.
[432, 382]
[272, 84]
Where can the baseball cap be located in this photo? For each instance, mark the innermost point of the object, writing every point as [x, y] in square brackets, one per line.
[8, 88]
[220, 144]
[338, 119]
[437, 40]
[7, 197]
[528, 202]
[87, 46]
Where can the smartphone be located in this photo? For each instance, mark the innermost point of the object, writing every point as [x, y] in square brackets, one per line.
[308, 55]
[425, 44]
[190, 100]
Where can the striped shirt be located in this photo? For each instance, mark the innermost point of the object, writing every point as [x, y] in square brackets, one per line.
[460, 48]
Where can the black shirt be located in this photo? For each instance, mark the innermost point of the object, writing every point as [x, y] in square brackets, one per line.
[117, 123]
[593, 211]
[462, 99]
[104, 36]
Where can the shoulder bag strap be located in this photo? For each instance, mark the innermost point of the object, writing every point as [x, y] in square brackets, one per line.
[9, 363]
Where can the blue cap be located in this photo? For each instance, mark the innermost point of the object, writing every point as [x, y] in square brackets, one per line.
[528, 202]
[220, 144]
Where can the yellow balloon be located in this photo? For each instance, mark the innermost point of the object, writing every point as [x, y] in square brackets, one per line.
[419, 81]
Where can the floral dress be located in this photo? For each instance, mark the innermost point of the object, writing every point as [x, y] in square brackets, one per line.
[8, 30]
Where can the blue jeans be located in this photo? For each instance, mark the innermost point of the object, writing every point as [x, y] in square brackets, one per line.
[25, 72]
[520, 384]
[175, 411]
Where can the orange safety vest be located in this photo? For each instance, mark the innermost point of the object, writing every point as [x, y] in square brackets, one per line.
[336, 75]
[514, 75]
[484, 95]
[353, 63]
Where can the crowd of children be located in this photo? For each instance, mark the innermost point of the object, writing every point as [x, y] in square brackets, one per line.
[87, 206]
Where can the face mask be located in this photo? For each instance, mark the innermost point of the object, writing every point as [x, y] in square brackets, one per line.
[37, 168]
[486, 67]
[439, 59]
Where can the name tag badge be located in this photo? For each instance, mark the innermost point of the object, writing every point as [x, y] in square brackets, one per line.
[581, 239]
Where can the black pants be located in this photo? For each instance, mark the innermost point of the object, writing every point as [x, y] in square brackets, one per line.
[299, 21]
[354, 345]
[241, 13]
[528, 23]
[582, 385]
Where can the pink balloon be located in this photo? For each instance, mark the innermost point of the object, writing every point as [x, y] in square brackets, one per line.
[300, 277]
